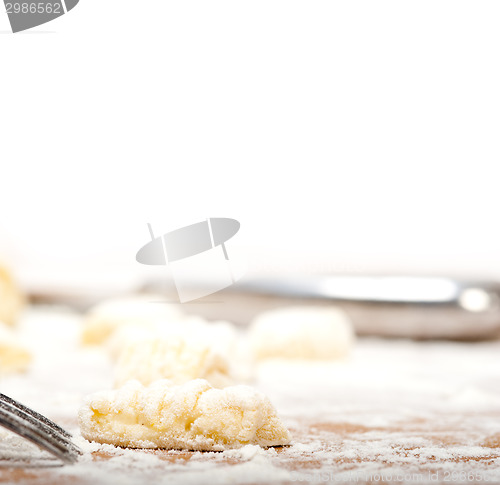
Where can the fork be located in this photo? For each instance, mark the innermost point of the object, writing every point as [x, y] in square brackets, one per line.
[38, 429]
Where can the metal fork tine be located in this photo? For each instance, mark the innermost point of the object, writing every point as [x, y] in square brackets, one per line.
[38, 435]
[51, 430]
[59, 437]
[37, 428]
[34, 414]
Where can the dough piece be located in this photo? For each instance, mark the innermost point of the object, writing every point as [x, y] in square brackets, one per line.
[221, 336]
[11, 298]
[190, 349]
[307, 332]
[176, 358]
[192, 416]
[13, 356]
[105, 318]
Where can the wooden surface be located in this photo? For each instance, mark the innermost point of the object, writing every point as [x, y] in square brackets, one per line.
[326, 462]
[396, 411]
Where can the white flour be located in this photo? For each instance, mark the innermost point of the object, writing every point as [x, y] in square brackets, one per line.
[396, 409]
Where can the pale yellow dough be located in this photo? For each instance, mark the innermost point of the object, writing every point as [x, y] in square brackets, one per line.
[146, 311]
[192, 416]
[13, 356]
[11, 298]
[220, 335]
[305, 332]
[179, 359]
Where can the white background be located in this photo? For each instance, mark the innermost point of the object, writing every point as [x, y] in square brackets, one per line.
[344, 136]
